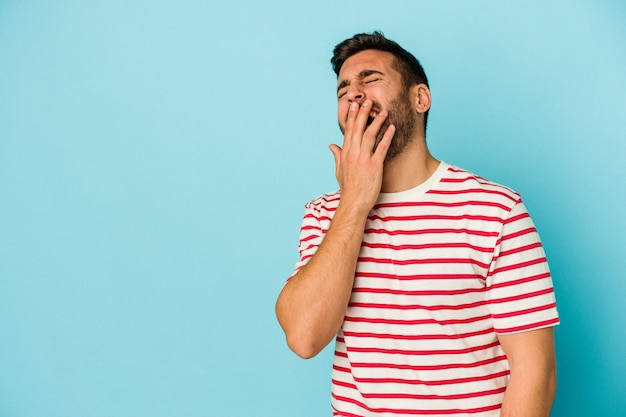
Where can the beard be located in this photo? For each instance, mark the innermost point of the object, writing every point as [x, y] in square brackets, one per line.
[403, 117]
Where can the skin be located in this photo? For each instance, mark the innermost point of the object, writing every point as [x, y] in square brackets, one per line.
[312, 305]
[532, 386]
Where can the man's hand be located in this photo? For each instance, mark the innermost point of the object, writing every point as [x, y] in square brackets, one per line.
[359, 171]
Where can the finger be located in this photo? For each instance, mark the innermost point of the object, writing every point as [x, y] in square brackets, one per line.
[360, 124]
[353, 111]
[385, 142]
[371, 133]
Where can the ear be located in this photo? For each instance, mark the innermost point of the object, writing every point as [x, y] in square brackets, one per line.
[420, 97]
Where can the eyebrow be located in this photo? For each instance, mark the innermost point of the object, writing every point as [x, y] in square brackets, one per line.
[360, 76]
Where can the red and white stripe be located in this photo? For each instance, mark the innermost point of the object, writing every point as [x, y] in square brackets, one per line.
[443, 269]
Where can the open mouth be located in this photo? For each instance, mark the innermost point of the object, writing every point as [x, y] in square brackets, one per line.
[371, 118]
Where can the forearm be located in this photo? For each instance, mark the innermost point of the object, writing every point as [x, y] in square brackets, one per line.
[312, 305]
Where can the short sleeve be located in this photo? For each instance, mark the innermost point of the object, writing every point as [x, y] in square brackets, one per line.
[519, 285]
[311, 235]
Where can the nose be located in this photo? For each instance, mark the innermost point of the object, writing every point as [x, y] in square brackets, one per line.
[354, 93]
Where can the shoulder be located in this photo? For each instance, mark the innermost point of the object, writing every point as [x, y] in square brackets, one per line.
[461, 183]
[324, 202]
[319, 212]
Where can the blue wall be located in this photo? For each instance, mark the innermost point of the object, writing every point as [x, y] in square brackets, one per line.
[155, 158]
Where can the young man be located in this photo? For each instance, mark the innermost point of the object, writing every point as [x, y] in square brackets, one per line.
[432, 280]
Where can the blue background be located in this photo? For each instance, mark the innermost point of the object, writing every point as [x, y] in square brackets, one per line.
[155, 158]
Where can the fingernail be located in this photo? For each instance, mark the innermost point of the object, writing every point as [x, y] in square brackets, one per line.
[367, 102]
[383, 113]
[353, 106]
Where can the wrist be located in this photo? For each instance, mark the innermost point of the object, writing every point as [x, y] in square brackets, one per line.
[352, 213]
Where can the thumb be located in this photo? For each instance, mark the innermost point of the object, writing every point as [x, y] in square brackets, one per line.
[336, 150]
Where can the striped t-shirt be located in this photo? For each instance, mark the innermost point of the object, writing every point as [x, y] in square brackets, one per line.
[443, 269]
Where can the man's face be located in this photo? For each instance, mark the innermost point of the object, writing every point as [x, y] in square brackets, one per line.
[370, 74]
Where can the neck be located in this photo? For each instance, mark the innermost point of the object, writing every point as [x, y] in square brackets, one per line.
[411, 168]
